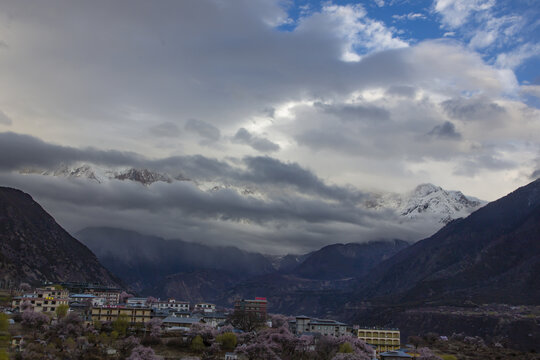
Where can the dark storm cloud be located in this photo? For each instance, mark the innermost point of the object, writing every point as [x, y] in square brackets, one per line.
[267, 170]
[258, 143]
[320, 139]
[4, 119]
[445, 131]
[166, 129]
[27, 151]
[475, 108]
[288, 220]
[355, 112]
[208, 132]
[474, 164]
[401, 90]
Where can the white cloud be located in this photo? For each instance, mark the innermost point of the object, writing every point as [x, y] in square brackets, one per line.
[517, 56]
[456, 12]
[360, 34]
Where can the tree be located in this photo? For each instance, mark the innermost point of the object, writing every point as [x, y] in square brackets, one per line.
[246, 320]
[346, 348]
[154, 327]
[25, 287]
[197, 344]
[35, 321]
[124, 296]
[227, 341]
[151, 301]
[61, 310]
[415, 341]
[26, 306]
[427, 354]
[142, 353]
[120, 325]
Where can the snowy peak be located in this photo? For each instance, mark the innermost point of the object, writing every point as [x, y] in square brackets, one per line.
[143, 176]
[427, 201]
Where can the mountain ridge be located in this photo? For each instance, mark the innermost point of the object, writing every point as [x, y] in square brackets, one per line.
[34, 248]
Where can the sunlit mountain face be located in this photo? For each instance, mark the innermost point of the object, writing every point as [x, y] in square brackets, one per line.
[276, 127]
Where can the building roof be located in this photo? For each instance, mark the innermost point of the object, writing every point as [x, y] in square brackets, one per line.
[397, 353]
[180, 320]
[86, 296]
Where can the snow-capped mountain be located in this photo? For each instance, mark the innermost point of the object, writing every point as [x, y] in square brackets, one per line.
[427, 200]
[144, 176]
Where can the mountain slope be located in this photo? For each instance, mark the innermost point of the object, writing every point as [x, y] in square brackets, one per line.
[141, 261]
[34, 248]
[492, 255]
[340, 261]
[332, 269]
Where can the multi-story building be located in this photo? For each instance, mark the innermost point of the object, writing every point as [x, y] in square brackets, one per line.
[257, 306]
[205, 307]
[382, 339]
[136, 301]
[304, 324]
[46, 299]
[110, 297]
[172, 304]
[111, 313]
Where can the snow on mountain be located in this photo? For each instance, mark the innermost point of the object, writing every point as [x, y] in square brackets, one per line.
[427, 200]
[144, 176]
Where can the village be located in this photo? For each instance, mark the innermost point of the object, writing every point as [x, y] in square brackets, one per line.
[101, 307]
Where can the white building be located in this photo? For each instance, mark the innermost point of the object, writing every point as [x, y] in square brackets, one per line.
[303, 324]
[172, 304]
[205, 307]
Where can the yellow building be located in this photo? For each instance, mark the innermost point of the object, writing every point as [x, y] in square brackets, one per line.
[383, 339]
[43, 299]
[111, 313]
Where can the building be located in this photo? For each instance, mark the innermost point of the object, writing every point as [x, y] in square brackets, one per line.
[382, 339]
[180, 323]
[172, 304]
[215, 319]
[257, 306]
[109, 297]
[46, 299]
[136, 301]
[395, 355]
[111, 313]
[304, 324]
[205, 307]
[88, 298]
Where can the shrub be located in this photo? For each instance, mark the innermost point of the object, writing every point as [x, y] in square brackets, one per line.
[346, 348]
[197, 344]
[227, 341]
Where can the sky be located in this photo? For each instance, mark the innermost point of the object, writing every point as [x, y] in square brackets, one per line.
[312, 103]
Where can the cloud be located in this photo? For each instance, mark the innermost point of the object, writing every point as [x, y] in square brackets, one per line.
[4, 119]
[477, 163]
[258, 143]
[165, 129]
[456, 12]
[356, 112]
[208, 132]
[517, 56]
[27, 151]
[445, 131]
[472, 109]
[409, 16]
[401, 90]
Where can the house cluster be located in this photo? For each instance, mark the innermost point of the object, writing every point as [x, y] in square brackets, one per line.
[105, 304]
[385, 341]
